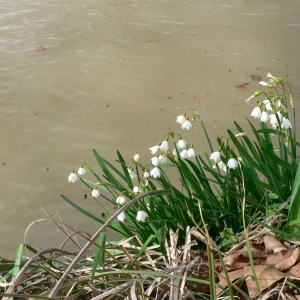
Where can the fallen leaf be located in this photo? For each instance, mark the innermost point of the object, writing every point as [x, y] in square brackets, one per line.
[242, 85]
[241, 255]
[276, 258]
[266, 276]
[289, 260]
[272, 244]
[223, 283]
[294, 271]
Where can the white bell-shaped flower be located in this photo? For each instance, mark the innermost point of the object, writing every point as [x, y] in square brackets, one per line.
[81, 171]
[186, 125]
[232, 163]
[155, 172]
[121, 217]
[121, 200]
[215, 156]
[95, 193]
[141, 216]
[180, 119]
[73, 177]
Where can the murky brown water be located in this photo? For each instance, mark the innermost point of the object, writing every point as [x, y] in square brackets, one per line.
[113, 75]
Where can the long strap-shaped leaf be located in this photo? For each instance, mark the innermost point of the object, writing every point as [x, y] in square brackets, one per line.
[102, 229]
[294, 211]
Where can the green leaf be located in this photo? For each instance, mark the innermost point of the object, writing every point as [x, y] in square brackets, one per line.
[109, 176]
[294, 211]
[99, 256]
[277, 161]
[82, 210]
[125, 170]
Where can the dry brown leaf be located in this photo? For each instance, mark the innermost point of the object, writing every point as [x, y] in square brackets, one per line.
[288, 261]
[231, 259]
[272, 244]
[266, 276]
[232, 277]
[238, 265]
[294, 271]
[276, 258]
[242, 256]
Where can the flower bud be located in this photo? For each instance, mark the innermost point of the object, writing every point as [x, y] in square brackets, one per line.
[278, 80]
[257, 93]
[136, 158]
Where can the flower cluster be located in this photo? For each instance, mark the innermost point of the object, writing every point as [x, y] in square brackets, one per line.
[232, 163]
[161, 152]
[184, 122]
[272, 109]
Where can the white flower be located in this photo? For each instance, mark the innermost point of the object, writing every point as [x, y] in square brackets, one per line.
[181, 144]
[191, 152]
[215, 156]
[263, 83]
[95, 193]
[146, 174]
[154, 149]
[180, 119]
[141, 216]
[131, 173]
[222, 166]
[286, 124]
[121, 216]
[81, 171]
[155, 161]
[121, 200]
[273, 120]
[163, 159]
[136, 189]
[155, 172]
[267, 104]
[186, 125]
[256, 112]
[73, 177]
[183, 154]
[136, 158]
[164, 146]
[251, 97]
[232, 163]
[264, 116]
[269, 75]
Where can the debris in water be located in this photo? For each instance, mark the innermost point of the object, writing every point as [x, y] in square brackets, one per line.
[40, 48]
[255, 77]
[242, 85]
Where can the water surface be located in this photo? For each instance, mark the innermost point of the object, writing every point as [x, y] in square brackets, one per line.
[114, 75]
